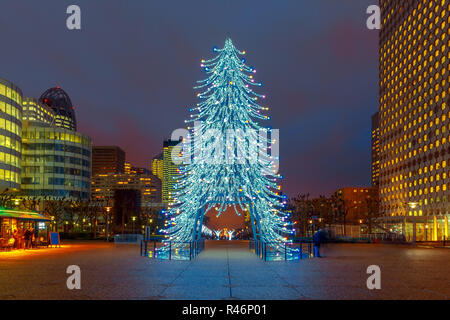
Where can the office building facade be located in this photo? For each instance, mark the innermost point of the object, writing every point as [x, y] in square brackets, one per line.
[104, 185]
[33, 110]
[39, 159]
[130, 169]
[375, 151]
[170, 172]
[158, 166]
[107, 159]
[414, 117]
[10, 135]
[357, 204]
[56, 163]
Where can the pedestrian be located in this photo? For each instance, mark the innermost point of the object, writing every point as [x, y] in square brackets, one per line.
[26, 237]
[33, 237]
[16, 238]
[316, 243]
[318, 238]
[21, 238]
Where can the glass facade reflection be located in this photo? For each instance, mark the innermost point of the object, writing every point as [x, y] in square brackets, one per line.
[10, 135]
[58, 100]
[56, 162]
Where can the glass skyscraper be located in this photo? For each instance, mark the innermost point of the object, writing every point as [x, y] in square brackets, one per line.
[10, 135]
[41, 155]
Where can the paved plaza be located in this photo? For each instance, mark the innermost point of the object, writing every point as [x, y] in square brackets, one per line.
[225, 270]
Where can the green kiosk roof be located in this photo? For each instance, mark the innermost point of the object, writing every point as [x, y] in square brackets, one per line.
[23, 215]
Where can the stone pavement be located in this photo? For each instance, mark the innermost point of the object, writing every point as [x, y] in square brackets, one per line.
[225, 270]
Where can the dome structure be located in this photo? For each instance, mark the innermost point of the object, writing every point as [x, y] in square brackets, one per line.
[58, 100]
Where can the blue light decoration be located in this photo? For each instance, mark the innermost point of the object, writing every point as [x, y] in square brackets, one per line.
[227, 102]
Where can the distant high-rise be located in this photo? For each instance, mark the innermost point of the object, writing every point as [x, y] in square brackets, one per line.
[58, 100]
[107, 159]
[130, 169]
[414, 117]
[149, 186]
[170, 171]
[375, 150]
[158, 166]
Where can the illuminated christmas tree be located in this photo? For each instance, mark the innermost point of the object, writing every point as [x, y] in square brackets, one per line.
[228, 155]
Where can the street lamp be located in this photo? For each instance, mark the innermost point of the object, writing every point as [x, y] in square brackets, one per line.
[108, 210]
[134, 219]
[413, 205]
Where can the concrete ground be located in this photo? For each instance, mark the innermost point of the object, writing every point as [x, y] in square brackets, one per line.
[225, 270]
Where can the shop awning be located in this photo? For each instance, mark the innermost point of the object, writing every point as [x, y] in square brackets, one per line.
[22, 215]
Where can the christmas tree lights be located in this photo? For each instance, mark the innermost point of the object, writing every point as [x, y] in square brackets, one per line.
[228, 156]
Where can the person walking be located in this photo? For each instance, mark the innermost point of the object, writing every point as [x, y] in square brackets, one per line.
[319, 238]
[316, 243]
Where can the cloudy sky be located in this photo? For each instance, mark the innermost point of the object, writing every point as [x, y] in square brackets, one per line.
[131, 69]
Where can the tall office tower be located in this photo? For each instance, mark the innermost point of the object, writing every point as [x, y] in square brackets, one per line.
[170, 172]
[107, 159]
[375, 150]
[10, 135]
[415, 117]
[158, 166]
[58, 100]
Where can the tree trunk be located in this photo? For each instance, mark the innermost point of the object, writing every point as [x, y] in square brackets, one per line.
[95, 228]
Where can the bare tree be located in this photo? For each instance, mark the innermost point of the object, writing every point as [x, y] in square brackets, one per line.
[30, 204]
[105, 212]
[6, 198]
[302, 212]
[340, 210]
[372, 206]
[56, 209]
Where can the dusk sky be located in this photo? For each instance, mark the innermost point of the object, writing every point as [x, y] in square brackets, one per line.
[130, 73]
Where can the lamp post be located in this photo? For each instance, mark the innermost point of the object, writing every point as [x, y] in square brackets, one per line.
[108, 209]
[413, 205]
[134, 219]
